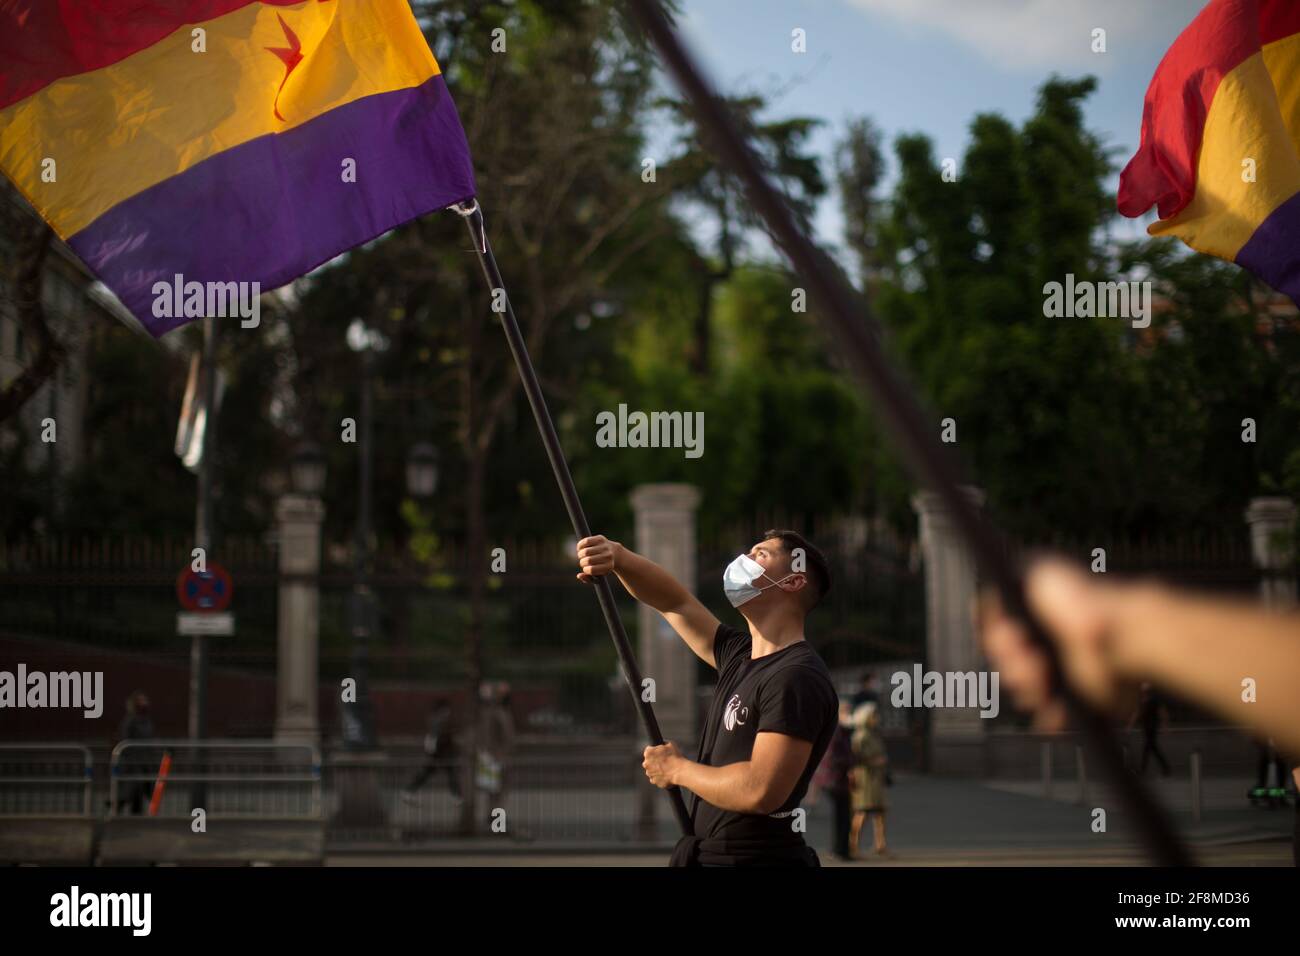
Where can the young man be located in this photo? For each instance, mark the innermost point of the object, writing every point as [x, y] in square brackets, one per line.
[774, 709]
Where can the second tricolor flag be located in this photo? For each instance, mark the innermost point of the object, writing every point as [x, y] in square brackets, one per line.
[1220, 153]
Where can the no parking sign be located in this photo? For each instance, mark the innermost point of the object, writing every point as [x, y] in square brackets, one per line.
[208, 590]
[204, 597]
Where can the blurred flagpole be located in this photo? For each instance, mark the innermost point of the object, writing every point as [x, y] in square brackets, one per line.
[473, 217]
[847, 318]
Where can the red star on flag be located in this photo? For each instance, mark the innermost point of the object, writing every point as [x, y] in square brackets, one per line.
[291, 55]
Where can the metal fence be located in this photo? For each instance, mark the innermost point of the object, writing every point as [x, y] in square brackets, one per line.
[403, 800]
[116, 593]
[227, 778]
[45, 780]
[257, 792]
[386, 798]
[1216, 561]
[1199, 768]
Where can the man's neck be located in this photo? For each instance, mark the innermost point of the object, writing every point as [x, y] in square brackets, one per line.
[773, 629]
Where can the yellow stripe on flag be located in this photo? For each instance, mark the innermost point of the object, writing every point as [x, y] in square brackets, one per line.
[119, 130]
[1247, 120]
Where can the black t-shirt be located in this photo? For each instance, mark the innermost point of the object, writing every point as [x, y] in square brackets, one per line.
[788, 692]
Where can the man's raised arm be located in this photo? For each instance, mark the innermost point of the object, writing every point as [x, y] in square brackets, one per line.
[652, 585]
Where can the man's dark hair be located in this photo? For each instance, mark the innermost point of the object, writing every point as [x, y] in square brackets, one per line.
[815, 565]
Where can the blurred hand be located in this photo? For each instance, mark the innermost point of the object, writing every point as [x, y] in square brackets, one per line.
[595, 557]
[1080, 614]
[660, 762]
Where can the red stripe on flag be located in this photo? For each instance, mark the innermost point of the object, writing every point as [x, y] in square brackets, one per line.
[45, 40]
[1278, 19]
[1223, 35]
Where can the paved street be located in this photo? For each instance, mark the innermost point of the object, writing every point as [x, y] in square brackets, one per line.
[937, 822]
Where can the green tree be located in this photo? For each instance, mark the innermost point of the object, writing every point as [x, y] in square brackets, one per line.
[1033, 398]
[1078, 426]
[702, 182]
[859, 170]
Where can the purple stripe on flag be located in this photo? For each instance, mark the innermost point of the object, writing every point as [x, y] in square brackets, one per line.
[1273, 251]
[276, 207]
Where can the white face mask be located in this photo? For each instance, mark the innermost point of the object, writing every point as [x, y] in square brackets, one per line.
[737, 580]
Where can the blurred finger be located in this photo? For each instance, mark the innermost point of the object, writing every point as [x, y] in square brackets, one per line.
[986, 608]
[1023, 668]
[1066, 599]
[1003, 637]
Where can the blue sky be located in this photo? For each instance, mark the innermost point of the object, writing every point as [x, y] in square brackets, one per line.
[931, 65]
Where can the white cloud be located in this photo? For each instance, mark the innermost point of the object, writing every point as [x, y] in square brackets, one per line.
[1045, 33]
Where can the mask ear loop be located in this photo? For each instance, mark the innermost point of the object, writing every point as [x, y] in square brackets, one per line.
[775, 583]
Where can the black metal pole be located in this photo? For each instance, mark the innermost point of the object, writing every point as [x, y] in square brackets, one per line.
[361, 734]
[559, 465]
[203, 538]
[914, 435]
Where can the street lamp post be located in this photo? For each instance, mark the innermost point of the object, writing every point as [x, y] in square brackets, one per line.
[203, 538]
[358, 720]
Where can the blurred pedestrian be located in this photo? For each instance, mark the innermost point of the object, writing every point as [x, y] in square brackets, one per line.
[440, 752]
[496, 740]
[1153, 716]
[868, 692]
[1269, 758]
[136, 724]
[867, 779]
[832, 776]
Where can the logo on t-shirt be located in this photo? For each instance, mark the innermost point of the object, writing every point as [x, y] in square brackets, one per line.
[734, 714]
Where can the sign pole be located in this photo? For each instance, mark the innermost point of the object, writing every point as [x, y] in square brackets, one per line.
[198, 710]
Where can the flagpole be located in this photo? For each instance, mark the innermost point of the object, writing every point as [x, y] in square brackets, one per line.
[473, 217]
[848, 319]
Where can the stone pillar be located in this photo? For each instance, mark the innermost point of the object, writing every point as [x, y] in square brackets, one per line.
[1272, 546]
[956, 735]
[665, 533]
[299, 520]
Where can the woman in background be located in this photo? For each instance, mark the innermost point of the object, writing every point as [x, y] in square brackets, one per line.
[867, 779]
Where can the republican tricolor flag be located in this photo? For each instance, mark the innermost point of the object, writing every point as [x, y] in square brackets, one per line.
[1220, 153]
[223, 140]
